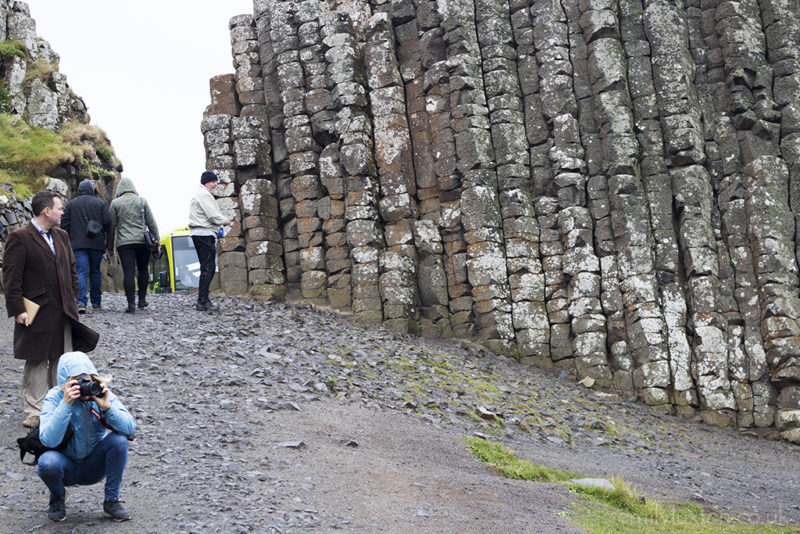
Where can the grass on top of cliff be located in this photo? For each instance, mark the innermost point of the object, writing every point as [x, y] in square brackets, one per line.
[622, 510]
[10, 49]
[28, 153]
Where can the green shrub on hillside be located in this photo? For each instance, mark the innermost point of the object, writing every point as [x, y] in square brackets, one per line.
[27, 153]
[13, 48]
[105, 152]
[5, 100]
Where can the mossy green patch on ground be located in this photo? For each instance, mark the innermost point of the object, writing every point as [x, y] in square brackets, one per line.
[502, 459]
[621, 510]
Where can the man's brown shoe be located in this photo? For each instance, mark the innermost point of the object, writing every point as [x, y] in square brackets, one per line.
[31, 421]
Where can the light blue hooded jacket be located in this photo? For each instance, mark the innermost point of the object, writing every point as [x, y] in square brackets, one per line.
[88, 431]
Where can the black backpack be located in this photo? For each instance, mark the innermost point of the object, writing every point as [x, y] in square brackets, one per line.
[30, 444]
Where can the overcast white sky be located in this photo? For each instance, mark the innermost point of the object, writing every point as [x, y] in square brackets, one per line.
[143, 69]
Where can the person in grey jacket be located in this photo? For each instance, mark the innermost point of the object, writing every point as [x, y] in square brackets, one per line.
[87, 220]
[128, 233]
[205, 220]
[98, 445]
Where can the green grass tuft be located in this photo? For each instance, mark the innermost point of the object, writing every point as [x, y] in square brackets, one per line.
[5, 100]
[623, 510]
[105, 152]
[27, 153]
[502, 459]
[10, 49]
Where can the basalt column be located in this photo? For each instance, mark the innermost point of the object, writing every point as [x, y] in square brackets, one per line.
[520, 230]
[418, 44]
[607, 187]
[781, 22]
[258, 204]
[398, 188]
[365, 234]
[218, 139]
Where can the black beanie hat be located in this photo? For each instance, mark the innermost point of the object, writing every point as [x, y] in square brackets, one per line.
[208, 176]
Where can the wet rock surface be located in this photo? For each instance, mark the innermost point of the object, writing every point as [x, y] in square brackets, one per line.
[282, 418]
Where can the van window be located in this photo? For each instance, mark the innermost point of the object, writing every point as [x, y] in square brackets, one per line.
[185, 263]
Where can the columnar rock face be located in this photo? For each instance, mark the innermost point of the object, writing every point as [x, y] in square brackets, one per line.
[609, 187]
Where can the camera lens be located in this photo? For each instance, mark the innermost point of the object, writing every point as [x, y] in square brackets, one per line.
[90, 388]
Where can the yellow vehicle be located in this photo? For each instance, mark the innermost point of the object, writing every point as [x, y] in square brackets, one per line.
[177, 267]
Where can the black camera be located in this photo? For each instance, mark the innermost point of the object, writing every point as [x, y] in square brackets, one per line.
[90, 388]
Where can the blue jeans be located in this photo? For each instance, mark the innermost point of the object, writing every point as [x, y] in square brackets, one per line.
[88, 259]
[107, 460]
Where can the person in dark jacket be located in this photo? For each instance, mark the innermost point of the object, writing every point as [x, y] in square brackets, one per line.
[38, 265]
[87, 220]
[127, 210]
[98, 447]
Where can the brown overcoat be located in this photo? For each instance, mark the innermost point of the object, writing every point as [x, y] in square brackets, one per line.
[31, 270]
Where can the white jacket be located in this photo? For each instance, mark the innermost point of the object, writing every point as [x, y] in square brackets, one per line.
[205, 218]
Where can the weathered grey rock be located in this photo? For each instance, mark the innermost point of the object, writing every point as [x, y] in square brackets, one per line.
[608, 188]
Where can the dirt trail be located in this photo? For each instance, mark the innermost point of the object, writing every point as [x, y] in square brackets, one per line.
[279, 418]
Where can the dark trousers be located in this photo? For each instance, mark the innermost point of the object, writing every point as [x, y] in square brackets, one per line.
[206, 247]
[134, 258]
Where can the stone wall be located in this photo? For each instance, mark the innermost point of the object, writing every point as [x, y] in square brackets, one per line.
[608, 187]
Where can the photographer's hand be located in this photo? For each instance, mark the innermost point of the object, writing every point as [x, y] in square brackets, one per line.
[72, 391]
[103, 402]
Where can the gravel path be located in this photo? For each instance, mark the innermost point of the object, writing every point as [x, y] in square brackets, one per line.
[280, 418]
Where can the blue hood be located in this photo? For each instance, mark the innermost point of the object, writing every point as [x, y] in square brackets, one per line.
[86, 187]
[74, 364]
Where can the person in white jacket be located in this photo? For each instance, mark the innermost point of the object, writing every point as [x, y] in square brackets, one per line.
[205, 219]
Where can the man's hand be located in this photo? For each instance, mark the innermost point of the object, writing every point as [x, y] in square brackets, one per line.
[22, 319]
[72, 391]
[104, 402]
[228, 222]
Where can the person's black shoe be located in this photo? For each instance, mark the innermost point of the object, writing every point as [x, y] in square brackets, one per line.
[210, 306]
[57, 511]
[143, 303]
[113, 509]
[200, 307]
[131, 308]
[81, 309]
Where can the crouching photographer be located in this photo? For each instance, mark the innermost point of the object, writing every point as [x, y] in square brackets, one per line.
[98, 448]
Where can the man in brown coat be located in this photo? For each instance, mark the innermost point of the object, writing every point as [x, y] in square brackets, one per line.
[39, 265]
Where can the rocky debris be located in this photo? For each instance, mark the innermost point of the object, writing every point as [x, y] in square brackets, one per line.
[276, 417]
[606, 189]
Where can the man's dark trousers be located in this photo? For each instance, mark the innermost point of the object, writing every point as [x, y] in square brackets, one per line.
[206, 247]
